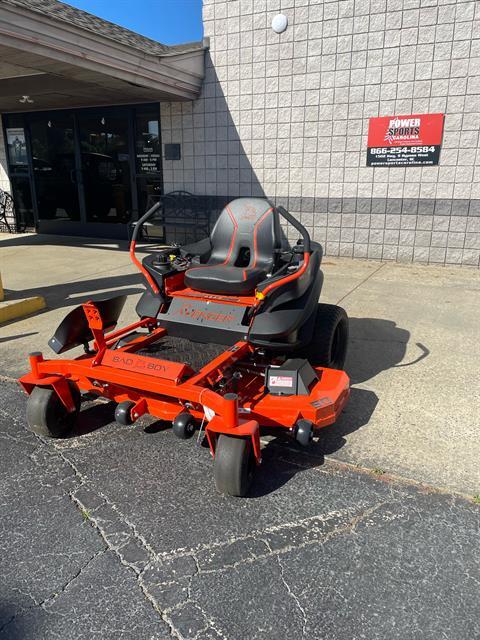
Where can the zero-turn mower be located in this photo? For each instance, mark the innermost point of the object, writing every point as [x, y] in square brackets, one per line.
[245, 288]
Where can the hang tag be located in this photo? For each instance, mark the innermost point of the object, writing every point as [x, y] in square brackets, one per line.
[209, 413]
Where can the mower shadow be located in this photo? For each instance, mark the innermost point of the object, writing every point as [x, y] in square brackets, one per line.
[157, 426]
[93, 416]
[283, 458]
[376, 345]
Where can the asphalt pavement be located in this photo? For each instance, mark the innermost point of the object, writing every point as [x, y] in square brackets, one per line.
[118, 533]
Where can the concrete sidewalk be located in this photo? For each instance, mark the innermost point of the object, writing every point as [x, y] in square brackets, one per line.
[413, 359]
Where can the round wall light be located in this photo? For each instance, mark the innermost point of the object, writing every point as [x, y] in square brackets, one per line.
[279, 23]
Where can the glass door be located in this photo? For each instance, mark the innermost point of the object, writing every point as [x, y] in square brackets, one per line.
[53, 165]
[105, 165]
[148, 151]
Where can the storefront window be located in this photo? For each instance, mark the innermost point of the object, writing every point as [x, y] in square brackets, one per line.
[99, 165]
[148, 156]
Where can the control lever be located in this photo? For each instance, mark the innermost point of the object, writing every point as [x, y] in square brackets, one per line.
[164, 257]
[161, 259]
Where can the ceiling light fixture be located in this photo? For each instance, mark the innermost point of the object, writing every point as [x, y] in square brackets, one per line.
[279, 23]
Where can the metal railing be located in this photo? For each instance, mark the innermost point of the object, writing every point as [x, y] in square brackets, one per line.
[7, 211]
[182, 217]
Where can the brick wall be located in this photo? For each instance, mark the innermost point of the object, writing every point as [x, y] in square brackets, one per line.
[286, 115]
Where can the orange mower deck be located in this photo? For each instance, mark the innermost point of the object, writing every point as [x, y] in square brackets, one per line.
[164, 389]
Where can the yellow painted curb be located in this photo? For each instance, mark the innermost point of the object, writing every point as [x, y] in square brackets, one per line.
[16, 309]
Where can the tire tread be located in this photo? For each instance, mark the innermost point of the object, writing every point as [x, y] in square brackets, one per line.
[231, 471]
[328, 317]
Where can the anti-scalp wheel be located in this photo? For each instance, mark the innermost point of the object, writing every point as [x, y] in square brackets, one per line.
[46, 413]
[234, 465]
[304, 432]
[183, 425]
[123, 413]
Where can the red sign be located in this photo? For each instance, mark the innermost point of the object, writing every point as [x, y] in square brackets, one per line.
[144, 364]
[405, 140]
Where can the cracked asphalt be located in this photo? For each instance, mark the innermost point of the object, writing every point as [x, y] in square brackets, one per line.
[118, 532]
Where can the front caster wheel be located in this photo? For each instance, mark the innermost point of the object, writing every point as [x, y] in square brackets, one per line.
[304, 432]
[47, 415]
[234, 465]
[184, 426]
[123, 413]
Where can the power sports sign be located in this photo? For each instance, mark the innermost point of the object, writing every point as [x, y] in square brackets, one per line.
[403, 141]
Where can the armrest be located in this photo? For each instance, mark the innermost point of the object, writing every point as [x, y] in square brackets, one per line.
[312, 264]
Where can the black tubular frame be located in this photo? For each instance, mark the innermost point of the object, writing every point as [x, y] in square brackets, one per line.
[141, 221]
[298, 226]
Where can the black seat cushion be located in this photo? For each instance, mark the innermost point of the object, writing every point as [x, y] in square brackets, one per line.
[243, 245]
[224, 279]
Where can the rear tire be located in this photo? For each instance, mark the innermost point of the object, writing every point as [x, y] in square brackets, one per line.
[234, 465]
[47, 415]
[328, 347]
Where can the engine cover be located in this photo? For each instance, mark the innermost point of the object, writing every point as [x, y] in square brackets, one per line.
[292, 378]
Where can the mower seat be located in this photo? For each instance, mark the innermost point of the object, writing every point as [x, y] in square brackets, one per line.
[224, 279]
[243, 247]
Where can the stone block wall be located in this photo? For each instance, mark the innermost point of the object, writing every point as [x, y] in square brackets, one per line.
[286, 116]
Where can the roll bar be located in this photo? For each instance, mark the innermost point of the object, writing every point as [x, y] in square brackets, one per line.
[138, 225]
[141, 221]
[298, 226]
[262, 292]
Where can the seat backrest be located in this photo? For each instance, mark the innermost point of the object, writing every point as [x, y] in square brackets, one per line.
[246, 234]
